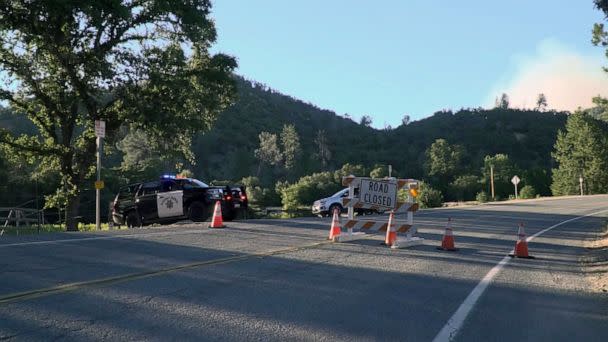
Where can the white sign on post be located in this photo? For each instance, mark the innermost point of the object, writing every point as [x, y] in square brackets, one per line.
[378, 192]
[515, 180]
[100, 128]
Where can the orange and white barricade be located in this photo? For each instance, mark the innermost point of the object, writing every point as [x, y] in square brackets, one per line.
[371, 197]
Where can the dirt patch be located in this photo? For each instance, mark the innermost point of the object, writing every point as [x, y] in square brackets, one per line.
[595, 263]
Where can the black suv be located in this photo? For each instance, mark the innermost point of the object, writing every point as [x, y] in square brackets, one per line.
[235, 199]
[168, 199]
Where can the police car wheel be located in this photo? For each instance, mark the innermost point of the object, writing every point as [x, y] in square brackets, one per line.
[196, 212]
[133, 220]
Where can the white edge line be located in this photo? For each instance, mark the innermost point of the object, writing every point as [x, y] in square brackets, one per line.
[451, 328]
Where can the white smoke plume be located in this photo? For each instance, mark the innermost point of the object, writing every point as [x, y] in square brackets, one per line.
[568, 79]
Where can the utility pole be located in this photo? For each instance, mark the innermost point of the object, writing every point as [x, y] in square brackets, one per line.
[580, 182]
[390, 170]
[492, 180]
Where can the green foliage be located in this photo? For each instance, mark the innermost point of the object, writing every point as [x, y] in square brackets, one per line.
[290, 140]
[186, 173]
[464, 188]
[600, 111]
[347, 170]
[443, 163]
[269, 151]
[258, 195]
[482, 197]
[66, 64]
[379, 171]
[323, 151]
[328, 141]
[581, 150]
[308, 189]
[366, 120]
[599, 35]
[147, 155]
[429, 197]
[527, 192]
[443, 158]
[504, 170]
[539, 179]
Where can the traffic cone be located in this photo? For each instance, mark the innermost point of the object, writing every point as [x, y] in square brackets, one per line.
[447, 243]
[521, 246]
[391, 234]
[335, 229]
[217, 221]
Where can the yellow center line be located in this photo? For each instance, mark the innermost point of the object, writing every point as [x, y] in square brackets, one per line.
[22, 296]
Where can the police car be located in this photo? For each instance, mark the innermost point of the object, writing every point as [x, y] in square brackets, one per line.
[165, 200]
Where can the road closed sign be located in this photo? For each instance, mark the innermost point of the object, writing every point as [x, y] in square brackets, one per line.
[382, 193]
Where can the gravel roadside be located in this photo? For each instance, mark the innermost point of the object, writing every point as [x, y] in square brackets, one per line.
[595, 262]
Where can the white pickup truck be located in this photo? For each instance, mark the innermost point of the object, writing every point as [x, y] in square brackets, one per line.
[326, 206]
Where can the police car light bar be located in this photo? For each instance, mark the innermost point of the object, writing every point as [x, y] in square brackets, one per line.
[168, 176]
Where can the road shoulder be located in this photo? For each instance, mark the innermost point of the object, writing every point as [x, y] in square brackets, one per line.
[595, 262]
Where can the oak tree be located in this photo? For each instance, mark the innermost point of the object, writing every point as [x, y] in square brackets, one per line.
[141, 63]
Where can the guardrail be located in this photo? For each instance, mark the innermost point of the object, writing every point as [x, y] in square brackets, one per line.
[18, 216]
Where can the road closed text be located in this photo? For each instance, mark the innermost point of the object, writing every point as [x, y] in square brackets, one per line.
[378, 193]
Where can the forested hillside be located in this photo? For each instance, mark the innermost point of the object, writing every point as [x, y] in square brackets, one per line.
[227, 151]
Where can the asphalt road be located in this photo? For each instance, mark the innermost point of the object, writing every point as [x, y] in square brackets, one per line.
[276, 280]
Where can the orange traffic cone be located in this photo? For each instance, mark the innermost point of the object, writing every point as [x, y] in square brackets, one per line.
[335, 229]
[447, 243]
[391, 234]
[217, 221]
[521, 246]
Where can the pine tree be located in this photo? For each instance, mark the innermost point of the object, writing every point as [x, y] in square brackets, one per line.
[541, 102]
[581, 150]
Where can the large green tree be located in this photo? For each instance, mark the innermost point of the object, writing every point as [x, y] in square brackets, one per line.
[268, 152]
[581, 150]
[65, 64]
[443, 162]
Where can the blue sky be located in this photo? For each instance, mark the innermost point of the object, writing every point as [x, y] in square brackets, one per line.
[387, 58]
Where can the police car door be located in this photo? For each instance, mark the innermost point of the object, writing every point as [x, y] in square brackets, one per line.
[146, 200]
[170, 200]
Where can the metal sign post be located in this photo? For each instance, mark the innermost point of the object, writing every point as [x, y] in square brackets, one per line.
[515, 180]
[492, 180]
[100, 133]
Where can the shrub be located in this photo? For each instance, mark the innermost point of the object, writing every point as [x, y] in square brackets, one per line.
[482, 197]
[463, 188]
[349, 169]
[527, 192]
[308, 189]
[259, 196]
[429, 197]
